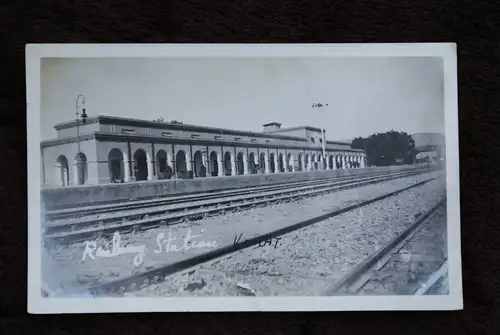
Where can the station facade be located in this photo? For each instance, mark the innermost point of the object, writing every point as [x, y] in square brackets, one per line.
[112, 149]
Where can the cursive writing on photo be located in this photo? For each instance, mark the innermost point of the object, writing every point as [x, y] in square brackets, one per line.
[167, 245]
[164, 244]
[269, 242]
[93, 251]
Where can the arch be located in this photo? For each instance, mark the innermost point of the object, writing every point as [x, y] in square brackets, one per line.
[281, 166]
[339, 161]
[140, 165]
[116, 165]
[227, 163]
[198, 164]
[81, 168]
[330, 162]
[180, 164]
[240, 166]
[289, 162]
[321, 162]
[164, 171]
[214, 164]
[314, 163]
[262, 163]
[161, 161]
[307, 163]
[251, 163]
[272, 164]
[62, 171]
[300, 162]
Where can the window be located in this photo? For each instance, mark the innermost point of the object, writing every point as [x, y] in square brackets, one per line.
[166, 133]
[320, 140]
[268, 141]
[237, 138]
[253, 140]
[218, 138]
[195, 136]
[313, 140]
[128, 131]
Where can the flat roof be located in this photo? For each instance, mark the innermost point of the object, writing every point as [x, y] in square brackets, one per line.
[176, 140]
[104, 119]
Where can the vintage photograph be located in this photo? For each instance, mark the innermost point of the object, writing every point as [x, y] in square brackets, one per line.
[212, 176]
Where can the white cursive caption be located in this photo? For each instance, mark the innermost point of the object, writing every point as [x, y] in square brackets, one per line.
[116, 249]
[166, 245]
[163, 245]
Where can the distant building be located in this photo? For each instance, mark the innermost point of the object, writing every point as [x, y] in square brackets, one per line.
[112, 149]
[430, 144]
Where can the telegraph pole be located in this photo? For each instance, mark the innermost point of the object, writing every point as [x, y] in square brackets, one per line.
[323, 139]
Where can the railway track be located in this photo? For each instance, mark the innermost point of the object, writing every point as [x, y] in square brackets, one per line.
[83, 229]
[156, 275]
[85, 211]
[368, 277]
[437, 283]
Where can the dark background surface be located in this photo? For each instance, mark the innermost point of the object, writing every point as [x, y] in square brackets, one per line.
[472, 24]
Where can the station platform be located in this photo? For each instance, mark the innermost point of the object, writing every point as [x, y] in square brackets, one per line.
[67, 197]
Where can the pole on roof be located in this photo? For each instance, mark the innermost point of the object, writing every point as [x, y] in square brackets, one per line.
[323, 139]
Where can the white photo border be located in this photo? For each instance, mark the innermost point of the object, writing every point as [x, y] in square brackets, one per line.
[46, 305]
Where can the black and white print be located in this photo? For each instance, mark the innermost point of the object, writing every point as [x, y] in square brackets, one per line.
[320, 177]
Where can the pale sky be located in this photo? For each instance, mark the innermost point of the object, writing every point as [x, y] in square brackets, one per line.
[364, 95]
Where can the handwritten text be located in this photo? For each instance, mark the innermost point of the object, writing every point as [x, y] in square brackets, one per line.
[93, 251]
[269, 242]
[166, 245]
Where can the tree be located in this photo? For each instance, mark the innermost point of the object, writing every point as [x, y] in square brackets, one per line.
[387, 148]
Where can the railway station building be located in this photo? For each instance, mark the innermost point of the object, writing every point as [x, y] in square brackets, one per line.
[122, 150]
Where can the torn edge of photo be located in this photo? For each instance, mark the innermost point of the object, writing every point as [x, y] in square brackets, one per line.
[216, 177]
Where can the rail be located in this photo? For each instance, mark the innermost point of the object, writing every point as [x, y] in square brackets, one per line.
[146, 278]
[79, 231]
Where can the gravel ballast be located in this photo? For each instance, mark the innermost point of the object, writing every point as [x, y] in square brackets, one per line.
[308, 261]
[219, 230]
[420, 257]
